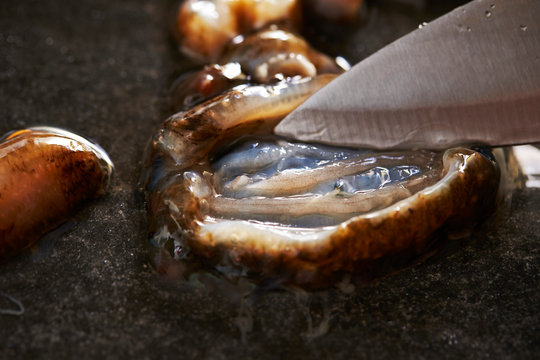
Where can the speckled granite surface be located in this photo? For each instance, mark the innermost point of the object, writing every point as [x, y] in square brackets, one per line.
[102, 69]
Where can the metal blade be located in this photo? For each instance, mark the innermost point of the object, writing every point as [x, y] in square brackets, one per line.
[471, 76]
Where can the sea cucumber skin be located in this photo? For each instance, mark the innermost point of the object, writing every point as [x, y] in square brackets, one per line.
[45, 175]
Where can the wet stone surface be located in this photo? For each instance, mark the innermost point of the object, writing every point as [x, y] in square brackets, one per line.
[102, 69]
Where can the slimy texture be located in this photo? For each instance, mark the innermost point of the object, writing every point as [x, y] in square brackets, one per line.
[267, 56]
[204, 27]
[394, 228]
[222, 191]
[274, 54]
[220, 187]
[45, 175]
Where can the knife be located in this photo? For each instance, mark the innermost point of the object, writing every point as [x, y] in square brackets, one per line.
[469, 77]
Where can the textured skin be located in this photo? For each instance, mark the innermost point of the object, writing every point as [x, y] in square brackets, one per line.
[41, 184]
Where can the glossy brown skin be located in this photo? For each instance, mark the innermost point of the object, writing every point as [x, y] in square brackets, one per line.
[202, 31]
[41, 184]
[195, 87]
[278, 50]
[363, 246]
[267, 56]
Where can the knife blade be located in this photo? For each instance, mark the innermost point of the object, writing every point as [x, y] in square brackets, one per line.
[471, 76]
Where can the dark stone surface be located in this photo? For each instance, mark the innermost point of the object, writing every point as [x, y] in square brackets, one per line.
[102, 69]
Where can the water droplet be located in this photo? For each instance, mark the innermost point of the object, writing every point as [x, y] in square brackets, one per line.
[523, 27]
[422, 25]
[488, 13]
[463, 28]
